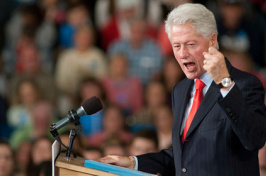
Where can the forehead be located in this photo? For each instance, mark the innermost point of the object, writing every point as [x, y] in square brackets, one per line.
[183, 31]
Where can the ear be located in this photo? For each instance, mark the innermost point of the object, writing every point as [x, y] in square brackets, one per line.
[213, 40]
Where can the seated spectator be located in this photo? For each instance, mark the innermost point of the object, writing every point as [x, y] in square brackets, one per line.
[114, 146]
[27, 95]
[44, 168]
[155, 96]
[113, 125]
[144, 55]
[7, 163]
[30, 66]
[41, 151]
[93, 123]
[170, 76]
[143, 142]
[92, 153]
[163, 120]
[239, 33]
[81, 61]
[42, 116]
[118, 24]
[121, 88]
[76, 16]
[22, 158]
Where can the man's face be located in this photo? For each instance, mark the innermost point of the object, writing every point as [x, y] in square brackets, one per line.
[188, 47]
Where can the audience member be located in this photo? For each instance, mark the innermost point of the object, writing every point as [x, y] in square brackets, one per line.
[92, 153]
[118, 25]
[121, 88]
[41, 151]
[113, 125]
[93, 123]
[113, 146]
[83, 60]
[44, 169]
[27, 94]
[22, 158]
[163, 120]
[155, 96]
[143, 142]
[239, 33]
[144, 55]
[30, 66]
[7, 163]
[171, 74]
[41, 118]
[53, 11]
[76, 16]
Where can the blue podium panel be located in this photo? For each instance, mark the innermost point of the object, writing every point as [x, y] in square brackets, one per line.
[114, 169]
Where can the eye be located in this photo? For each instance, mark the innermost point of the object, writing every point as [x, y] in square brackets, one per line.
[176, 46]
[191, 45]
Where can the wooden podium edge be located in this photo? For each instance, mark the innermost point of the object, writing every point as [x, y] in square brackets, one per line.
[77, 164]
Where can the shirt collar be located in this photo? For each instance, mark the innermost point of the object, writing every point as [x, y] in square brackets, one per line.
[206, 78]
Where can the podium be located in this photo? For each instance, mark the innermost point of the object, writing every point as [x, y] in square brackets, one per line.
[75, 167]
[78, 166]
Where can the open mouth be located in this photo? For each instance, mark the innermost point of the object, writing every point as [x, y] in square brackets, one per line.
[189, 65]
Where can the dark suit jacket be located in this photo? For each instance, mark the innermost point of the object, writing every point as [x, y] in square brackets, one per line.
[225, 134]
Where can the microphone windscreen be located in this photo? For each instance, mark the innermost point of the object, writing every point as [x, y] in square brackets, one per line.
[92, 105]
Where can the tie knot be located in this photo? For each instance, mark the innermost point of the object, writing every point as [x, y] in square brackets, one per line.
[199, 84]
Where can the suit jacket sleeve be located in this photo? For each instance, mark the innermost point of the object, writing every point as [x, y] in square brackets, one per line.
[245, 107]
[161, 162]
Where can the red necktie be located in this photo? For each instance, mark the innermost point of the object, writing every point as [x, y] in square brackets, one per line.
[199, 85]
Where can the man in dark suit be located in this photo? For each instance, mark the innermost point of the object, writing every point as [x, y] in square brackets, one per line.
[228, 127]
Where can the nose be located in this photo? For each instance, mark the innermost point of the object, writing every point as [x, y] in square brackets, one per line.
[183, 52]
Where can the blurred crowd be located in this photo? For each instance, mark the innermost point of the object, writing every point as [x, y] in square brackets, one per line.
[55, 54]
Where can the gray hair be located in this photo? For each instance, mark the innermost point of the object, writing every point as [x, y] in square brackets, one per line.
[198, 15]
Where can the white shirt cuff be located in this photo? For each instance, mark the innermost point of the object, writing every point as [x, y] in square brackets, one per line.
[136, 163]
[224, 93]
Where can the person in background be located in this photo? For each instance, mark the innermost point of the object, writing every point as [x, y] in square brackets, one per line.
[42, 116]
[22, 157]
[113, 126]
[41, 151]
[163, 121]
[114, 146]
[117, 26]
[27, 95]
[170, 75]
[239, 33]
[93, 123]
[121, 88]
[7, 162]
[142, 142]
[144, 56]
[155, 96]
[84, 60]
[77, 15]
[92, 153]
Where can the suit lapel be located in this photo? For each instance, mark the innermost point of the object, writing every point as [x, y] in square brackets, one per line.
[207, 103]
[181, 97]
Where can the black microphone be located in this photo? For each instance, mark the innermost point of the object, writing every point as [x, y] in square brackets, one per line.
[88, 107]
